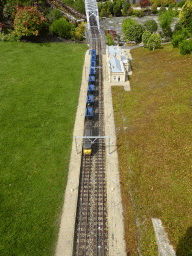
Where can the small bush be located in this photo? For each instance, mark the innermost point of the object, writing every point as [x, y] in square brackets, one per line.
[126, 7]
[134, 33]
[145, 37]
[8, 11]
[9, 37]
[154, 8]
[185, 15]
[109, 39]
[185, 47]
[130, 11]
[62, 28]
[28, 21]
[154, 42]
[151, 25]
[79, 31]
[53, 15]
[180, 4]
[165, 20]
[117, 9]
[166, 3]
[162, 9]
[179, 36]
[138, 13]
[110, 8]
[79, 5]
[178, 27]
[144, 3]
[127, 23]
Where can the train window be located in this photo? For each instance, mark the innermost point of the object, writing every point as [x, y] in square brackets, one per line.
[114, 78]
[118, 78]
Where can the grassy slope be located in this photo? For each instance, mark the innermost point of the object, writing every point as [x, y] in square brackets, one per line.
[39, 92]
[154, 126]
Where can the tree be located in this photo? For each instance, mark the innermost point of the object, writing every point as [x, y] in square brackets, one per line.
[127, 23]
[185, 15]
[145, 37]
[134, 33]
[151, 25]
[154, 42]
[165, 20]
[62, 28]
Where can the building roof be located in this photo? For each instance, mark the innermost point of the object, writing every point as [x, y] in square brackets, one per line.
[116, 65]
[123, 58]
[113, 50]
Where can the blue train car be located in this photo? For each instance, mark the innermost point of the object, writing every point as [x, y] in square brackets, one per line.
[92, 72]
[93, 58]
[90, 100]
[92, 64]
[93, 52]
[89, 113]
[91, 79]
[91, 88]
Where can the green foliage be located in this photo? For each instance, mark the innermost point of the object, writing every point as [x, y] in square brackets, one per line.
[53, 15]
[79, 5]
[138, 13]
[79, 31]
[151, 25]
[127, 23]
[100, 6]
[62, 28]
[28, 21]
[162, 9]
[117, 9]
[178, 26]
[126, 7]
[154, 42]
[179, 36]
[180, 4]
[109, 39]
[185, 15]
[134, 33]
[145, 37]
[8, 10]
[185, 47]
[154, 8]
[9, 37]
[109, 7]
[166, 3]
[165, 20]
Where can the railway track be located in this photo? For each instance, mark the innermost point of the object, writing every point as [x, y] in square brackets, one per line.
[91, 236]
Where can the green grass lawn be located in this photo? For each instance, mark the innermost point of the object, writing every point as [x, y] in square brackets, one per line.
[39, 90]
[154, 130]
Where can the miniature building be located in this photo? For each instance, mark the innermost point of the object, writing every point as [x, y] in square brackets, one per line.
[118, 64]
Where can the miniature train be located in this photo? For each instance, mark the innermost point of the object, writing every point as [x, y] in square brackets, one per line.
[89, 113]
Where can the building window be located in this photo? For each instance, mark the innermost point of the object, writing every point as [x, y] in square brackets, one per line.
[115, 78]
[118, 78]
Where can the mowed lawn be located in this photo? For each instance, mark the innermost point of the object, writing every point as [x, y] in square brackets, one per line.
[39, 90]
[154, 138]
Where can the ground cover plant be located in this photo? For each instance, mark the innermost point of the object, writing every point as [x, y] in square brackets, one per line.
[154, 141]
[38, 99]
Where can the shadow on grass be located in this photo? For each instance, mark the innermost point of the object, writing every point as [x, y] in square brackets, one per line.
[184, 247]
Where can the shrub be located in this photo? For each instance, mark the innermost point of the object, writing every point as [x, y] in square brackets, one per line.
[162, 9]
[185, 15]
[62, 28]
[185, 47]
[110, 8]
[117, 9]
[127, 23]
[79, 31]
[151, 25]
[180, 4]
[144, 3]
[134, 33]
[154, 8]
[179, 36]
[109, 39]
[53, 15]
[154, 42]
[126, 7]
[145, 37]
[9, 37]
[178, 26]
[8, 11]
[130, 11]
[138, 13]
[165, 20]
[28, 21]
